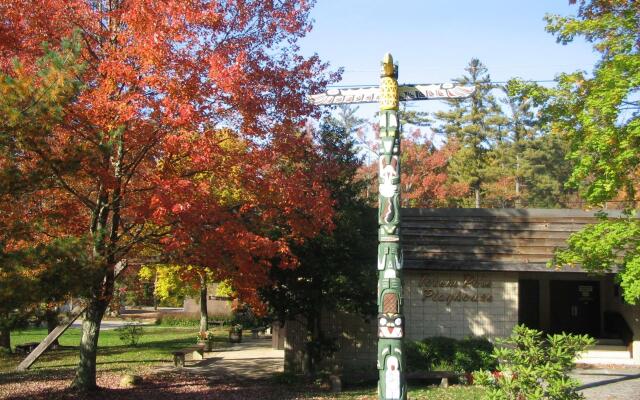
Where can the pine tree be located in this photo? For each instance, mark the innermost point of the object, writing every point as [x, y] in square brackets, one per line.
[34, 268]
[527, 165]
[335, 272]
[474, 124]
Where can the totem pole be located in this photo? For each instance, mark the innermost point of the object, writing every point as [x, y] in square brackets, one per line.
[391, 366]
[391, 322]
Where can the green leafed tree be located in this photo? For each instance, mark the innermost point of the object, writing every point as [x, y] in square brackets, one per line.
[473, 124]
[600, 114]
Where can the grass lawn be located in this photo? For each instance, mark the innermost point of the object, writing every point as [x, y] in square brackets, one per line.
[155, 347]
[50, 376]
[419, 393]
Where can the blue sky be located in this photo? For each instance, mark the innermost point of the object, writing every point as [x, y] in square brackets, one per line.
[433, 40]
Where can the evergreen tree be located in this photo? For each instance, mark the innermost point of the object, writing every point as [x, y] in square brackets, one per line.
[474, 124]
[336, 270]
[527, 166]
[34, 268]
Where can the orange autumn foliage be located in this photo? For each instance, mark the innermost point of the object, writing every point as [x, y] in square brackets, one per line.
[424, 178]
[162, 81]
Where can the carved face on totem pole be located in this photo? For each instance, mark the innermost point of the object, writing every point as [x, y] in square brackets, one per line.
[390, 326]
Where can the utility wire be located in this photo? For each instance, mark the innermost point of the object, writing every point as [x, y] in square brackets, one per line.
[439, 83]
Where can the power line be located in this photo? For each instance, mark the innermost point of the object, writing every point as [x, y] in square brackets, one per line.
[358, 86]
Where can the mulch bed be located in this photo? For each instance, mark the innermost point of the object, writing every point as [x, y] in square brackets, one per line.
[54, 385]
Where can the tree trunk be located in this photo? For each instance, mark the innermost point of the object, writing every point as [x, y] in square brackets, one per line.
[155, 296]
[51, 315]
[518, 200]
[5, 338]
[85, 379]
[314, 347]
[204, 315]
[477, 192]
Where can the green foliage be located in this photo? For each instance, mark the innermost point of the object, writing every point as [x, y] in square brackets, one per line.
[177, 320]
[205, 336]
[473, 354]
[31, 104]
[190, 320]
[526, 164]
[130, 333]
[600, 114]
[534, 367]
[603, 246]
[444, 353]
[335, 271]
[244, 316]
[473, 124]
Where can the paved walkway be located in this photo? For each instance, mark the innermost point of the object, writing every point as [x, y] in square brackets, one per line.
[253, 359]
[609, 384]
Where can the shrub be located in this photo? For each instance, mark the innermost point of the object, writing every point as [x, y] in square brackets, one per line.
[416, 356]
[130, 333]
[473, 354]
[177, 320]
[532, 366]
[443, 353]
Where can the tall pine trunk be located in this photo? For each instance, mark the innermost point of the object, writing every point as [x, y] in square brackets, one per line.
[314, 345]
[518, 199]
[85, 378]
[51, 316]
[5, 338]
[204, 314]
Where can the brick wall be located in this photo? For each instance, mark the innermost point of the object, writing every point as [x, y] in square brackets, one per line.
[459, 305]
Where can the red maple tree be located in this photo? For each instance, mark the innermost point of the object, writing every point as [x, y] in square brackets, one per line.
[162, 81]
[424, 179]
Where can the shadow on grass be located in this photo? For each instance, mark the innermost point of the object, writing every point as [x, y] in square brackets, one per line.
[68, 356]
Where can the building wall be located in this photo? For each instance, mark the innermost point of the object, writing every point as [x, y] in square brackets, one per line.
[214, 307]
[438, 303]
[460, 304]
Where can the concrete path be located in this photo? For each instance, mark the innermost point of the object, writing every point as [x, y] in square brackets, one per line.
[253, 359]
[107, 325]
[609, 384]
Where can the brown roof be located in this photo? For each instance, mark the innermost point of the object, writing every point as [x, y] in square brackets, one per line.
[488, 239]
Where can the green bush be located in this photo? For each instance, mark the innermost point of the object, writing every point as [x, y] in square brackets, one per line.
[532, 366]
[443, 353]
[190, 320]
[130, 333]
[178, 320]
[473, 354]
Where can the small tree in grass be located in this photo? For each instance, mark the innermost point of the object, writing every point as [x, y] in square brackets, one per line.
[534, 367]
